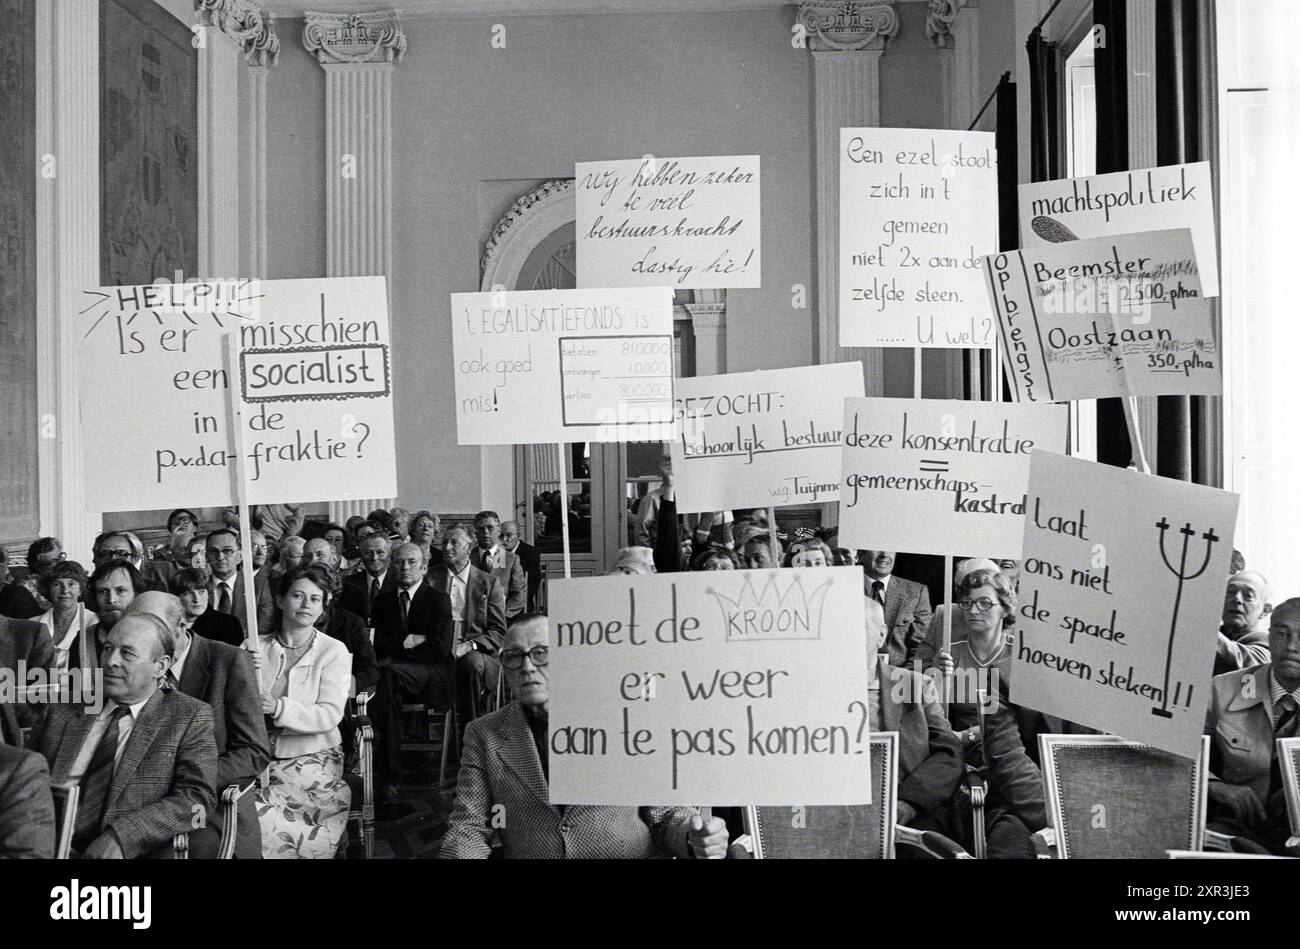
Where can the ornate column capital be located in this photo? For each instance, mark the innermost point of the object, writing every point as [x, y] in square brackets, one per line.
[848, 25]
[707, 315]
[939, 20]
[354, 38]
[252, 29]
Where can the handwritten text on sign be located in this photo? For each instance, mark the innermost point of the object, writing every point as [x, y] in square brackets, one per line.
[918, 211]
[1126, 202]
[728, 687]
[1121, 590]
[1107, 316]
[761, 439]
[669, 222]
[315, 382]
[548, 366]
[933, 476]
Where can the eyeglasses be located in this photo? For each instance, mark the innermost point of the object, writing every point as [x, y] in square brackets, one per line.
[982, 605]
[513, 659]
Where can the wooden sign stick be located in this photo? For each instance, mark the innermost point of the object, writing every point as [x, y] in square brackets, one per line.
[947, 619]
[564, 510]
[1134, 435]
[771, 537]
[240, 486]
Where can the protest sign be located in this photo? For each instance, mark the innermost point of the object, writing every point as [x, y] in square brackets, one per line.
[1126, 202]
[935, 476]
[1121, 590]
[725, 687]
[918, 212]
[315, 390]
[1107, 316]
[669, 222]
[551, 366]
[761, 439]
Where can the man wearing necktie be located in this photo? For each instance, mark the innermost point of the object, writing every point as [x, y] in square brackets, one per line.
[1249, 710]
[362, 589]
[227, 587]
[906, 605]
[146, 763]
[491, 556]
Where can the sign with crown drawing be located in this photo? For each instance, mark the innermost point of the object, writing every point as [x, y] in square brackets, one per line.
[722, 687]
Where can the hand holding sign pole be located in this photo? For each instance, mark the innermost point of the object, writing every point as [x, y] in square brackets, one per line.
[239, 488]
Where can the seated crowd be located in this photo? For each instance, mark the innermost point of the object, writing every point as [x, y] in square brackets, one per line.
[198, 707]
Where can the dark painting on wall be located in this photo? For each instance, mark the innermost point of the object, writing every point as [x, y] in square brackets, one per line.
[148, 144]
[19, 422]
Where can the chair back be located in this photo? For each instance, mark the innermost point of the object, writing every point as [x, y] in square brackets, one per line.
[540, 605]
[66, 797]
[1288, 760]
[1112, 798]
[836, 832]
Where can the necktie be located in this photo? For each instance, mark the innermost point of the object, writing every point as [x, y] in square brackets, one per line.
[877, 588]
[374, 592]
[1286, 727]
[223, 598]
[404, 599]
[95, 783]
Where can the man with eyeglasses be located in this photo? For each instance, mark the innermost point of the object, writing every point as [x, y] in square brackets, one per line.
[504, 770]
[226, 588]
[124, 545]
[259, 547]
[1243, 631]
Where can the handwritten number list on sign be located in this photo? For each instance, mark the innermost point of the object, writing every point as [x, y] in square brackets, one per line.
[1121, 589]
[709, 688]
[918, 212]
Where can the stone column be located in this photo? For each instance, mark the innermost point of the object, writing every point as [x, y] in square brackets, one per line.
[709, 324]
[260, 52]
[67, 255]
[358, 52]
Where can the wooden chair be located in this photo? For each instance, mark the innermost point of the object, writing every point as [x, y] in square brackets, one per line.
[1112, 798]
[67, 796]
[866, 831]
[229, 804]
[361, 816]
[1288, 759]
[440, 733]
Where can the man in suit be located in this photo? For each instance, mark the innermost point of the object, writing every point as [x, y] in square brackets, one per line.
[504, 769]
[1243, 631]
[906, 604]
[146, 763]
[479, 614]
[28, 642]
[342, 624]
[528, 556]
[26, 807]
[124, 545]
[224, 677]
[361, 589]
[227, 586]
[1249, 710]
[413, 640]
[491, 556]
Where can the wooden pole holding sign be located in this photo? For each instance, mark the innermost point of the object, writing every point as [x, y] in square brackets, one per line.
[1134, 434]
[947, 621]
[771, 537]
[564, 509]
[240, 486]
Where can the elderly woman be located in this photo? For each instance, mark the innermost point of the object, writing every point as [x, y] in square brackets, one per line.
[305, 675]
[809, 552]
[634, 560]
[67, 620]
[426, 533]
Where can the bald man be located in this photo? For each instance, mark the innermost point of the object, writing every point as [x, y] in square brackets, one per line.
[1243, 632]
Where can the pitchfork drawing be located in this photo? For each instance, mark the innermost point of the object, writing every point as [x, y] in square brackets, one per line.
[1183, 576]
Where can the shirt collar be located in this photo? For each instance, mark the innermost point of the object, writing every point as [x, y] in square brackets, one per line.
[1277, 691]
[412, 591]
[133, 710]
[178, 661]
[463, 575]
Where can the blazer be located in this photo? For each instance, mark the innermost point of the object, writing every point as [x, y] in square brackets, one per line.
[355, 595]
[166, 779]
[26, 807]
[312, 707]
[500, 766]
[930, 759]
[531, 560]
[30, 642]
[1240, 725]
[224, 677]
[218, 627]
[349, 629]
[510, 576]
[907, 617]
[157, 573]
[265, 605]
[1250, 649]
[485, 611]
[429, 615]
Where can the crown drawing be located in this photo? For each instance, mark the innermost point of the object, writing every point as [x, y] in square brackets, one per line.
[784, 609]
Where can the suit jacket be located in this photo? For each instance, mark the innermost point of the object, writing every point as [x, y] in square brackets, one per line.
[356, 593]
[17, 602]
[1240, 725]
[930, 760]
[219, 627]
[532, 564]
[25, 640]
[166, 779]
[500, 766]
[485, 609]
[349, 629]
[907, 616]
[26, 807]
[223, 676]
[157, 573]
[238, 609]
[510, 576]
[429, 615]
[1250, 649]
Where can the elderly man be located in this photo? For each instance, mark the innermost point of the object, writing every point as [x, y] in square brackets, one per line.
[289, 555]
[479, 613]
[529, 558]
[906, 604]
[491, 556]
[227, 586]
[1243, 633]
[1249, 710]
[504, 770]
[360, 590]
[260, 548]
[146, 763]
[342, 624]
[224, 677]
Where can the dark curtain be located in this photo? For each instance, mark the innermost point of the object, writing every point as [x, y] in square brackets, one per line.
[1044, 108]
[1178, 140]
[1111, 66]
[1008, 187]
